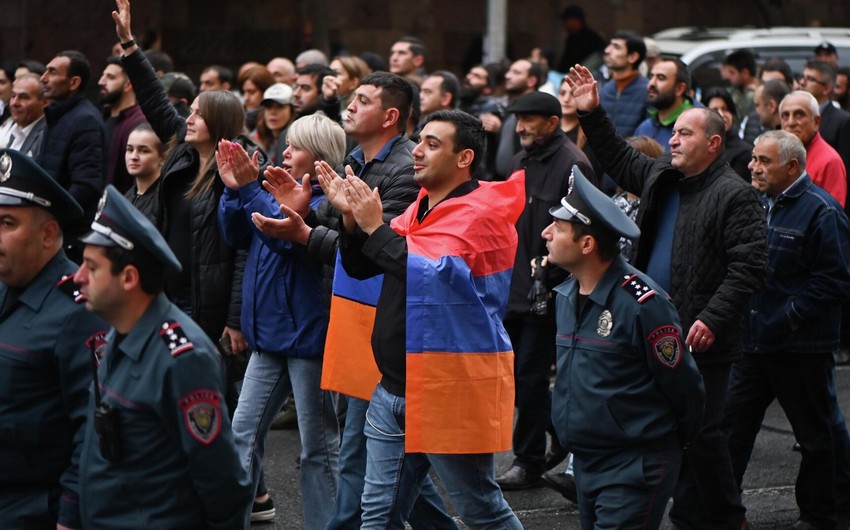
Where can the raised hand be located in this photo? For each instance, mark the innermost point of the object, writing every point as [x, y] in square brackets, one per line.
[286, 190]
[584, 88]
[334, 186]
[365, 204]
[122, 20]
[330, 87]
[235, 168]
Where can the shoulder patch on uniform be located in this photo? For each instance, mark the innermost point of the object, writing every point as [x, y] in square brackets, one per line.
[67, 285]
[175, 338]
[637, 288]
[202, 414]
[666, 344]
[97, 345]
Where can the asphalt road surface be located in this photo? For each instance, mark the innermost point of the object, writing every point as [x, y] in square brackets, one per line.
[768, 485]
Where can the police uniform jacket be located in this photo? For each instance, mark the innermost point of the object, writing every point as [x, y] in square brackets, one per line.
[45, 372]
[179, 468]
[624, 378]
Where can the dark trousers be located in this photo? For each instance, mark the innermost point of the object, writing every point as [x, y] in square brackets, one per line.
[534, 354]
[626, 489]
[707, 495]
[800, 382]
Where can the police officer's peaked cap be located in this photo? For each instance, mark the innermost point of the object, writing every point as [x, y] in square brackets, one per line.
[587, 205]
[537, 103]
[24, 183]
[119, 224]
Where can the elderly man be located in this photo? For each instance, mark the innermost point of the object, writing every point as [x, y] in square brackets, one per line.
[28, 104]
[794, 323]
[799, 114]
[547, 157]
[704, 243]
[46, 352]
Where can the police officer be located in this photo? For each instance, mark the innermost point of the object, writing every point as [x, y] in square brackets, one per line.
[45, 337]
[627, 394]
[158, 450]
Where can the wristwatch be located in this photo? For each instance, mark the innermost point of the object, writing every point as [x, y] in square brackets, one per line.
[129, 44]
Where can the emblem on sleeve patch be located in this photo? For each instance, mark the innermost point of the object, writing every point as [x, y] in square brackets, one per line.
[175, 338]
[666, 345]
[637, 288]
[97, 345]
[202, 414]
[68, 286]
[605, 324]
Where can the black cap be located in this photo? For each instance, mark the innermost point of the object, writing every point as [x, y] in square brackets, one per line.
[587, 205]
[24, 183]
[825, 47]
[539, 103]
[119, 224]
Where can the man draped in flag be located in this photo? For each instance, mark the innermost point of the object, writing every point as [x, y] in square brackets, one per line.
[438, 338]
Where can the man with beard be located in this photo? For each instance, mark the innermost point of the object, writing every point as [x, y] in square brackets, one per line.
[840, 94]
[118, 100]
[307, 96]
[523, 77]
[476, 97]
[667, 97]
[74, 147]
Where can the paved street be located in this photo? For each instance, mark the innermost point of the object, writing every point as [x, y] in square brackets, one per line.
[769, 483]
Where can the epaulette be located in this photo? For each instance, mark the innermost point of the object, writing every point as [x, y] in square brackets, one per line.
[66, 285]
[175, 338]
[637, 288]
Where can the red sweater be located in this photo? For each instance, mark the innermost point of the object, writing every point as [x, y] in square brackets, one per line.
[825, 167]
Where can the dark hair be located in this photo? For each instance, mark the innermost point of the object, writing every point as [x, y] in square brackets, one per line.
[823, 68]
[396, 93]
[160, 60]
[375, 61]
[151, 271]
[714, 125]
[740, 60]
[683, 75]
[78, 67]
[9, 68]
[495, 74]
[145, 127]
[469, 134]
[538, 72]
[225, 75]
[416, 45]
[607, 241]
[415, 106]
[317, 71]
[844, 70]
[32, 65]
[449, 84]
[722, 93]
[775, 89]
[634, 44]
[778, 64]
[116, 60]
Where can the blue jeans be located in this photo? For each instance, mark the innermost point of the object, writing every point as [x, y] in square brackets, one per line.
[429, 511]
[268, 380]
[395, 478]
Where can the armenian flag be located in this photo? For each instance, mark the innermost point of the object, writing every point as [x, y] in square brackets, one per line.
[349, 365]
[460, 381]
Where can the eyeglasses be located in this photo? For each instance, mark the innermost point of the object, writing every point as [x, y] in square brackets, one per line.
[812, 79]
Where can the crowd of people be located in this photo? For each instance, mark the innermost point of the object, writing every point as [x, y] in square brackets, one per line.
[409, 255]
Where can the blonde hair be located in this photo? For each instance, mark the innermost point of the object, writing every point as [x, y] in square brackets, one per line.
[319, 135]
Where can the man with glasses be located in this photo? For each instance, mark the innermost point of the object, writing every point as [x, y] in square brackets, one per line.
[819, 80]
